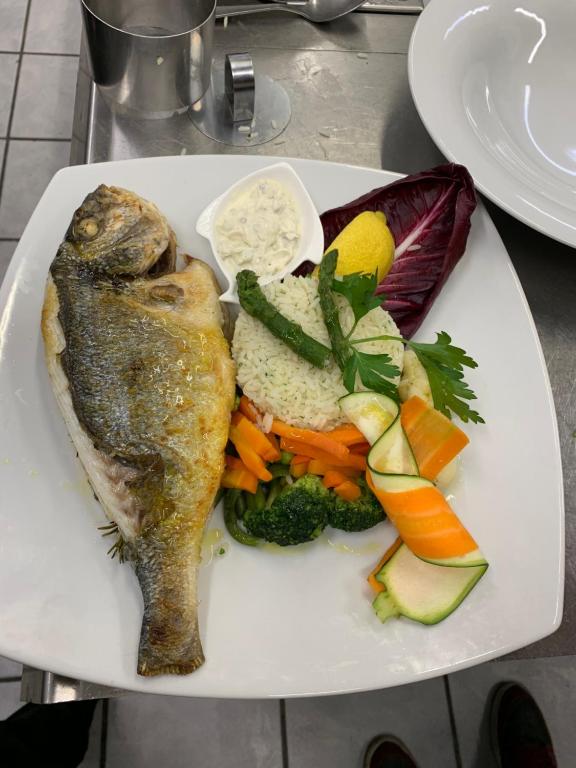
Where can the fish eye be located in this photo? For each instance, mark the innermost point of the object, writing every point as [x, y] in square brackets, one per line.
[86, 229]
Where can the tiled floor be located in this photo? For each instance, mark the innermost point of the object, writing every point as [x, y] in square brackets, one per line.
[38, 61]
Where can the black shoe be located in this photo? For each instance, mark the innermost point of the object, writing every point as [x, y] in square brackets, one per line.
[388, 752]
[46, 735]
[518, 731]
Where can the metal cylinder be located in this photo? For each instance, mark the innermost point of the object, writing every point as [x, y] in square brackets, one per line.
[150, 58]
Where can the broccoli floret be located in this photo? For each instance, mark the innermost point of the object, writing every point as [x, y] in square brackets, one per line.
[357, 515]
[298, 513]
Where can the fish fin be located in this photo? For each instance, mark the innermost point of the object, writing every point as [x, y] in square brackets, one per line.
[166, 565]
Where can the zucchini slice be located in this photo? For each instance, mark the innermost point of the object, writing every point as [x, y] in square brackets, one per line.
[469, 560]
[422, 591]
[370, 412]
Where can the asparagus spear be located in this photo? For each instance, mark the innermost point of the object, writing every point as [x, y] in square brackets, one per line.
[340, 347]
[253, 301]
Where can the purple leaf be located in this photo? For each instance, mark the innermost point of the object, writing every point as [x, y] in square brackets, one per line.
[429, 216]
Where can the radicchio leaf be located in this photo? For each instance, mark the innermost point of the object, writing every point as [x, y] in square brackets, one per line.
[429, 216]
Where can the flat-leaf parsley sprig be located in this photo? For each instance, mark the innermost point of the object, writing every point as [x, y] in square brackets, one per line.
[376, 372]
[443, 362]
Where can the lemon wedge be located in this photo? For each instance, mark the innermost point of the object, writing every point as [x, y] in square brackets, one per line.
[365, 245]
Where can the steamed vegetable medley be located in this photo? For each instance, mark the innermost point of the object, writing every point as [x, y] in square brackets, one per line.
[342, 420]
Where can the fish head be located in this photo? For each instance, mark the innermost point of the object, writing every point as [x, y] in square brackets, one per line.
[116, 232]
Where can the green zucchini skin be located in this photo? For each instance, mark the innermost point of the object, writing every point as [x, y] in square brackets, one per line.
[421, 591]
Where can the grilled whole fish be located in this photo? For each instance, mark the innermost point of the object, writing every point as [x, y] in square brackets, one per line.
[144, 379]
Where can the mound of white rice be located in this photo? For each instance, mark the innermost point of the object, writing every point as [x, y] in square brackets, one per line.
[282, 383]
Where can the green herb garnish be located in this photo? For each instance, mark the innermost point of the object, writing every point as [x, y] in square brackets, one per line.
[444, 366]
[119, 546]
[375, 371]
[359, 289]
[444, 363]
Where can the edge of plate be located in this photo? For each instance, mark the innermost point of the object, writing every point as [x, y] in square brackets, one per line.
[524, 212]
[403, 679]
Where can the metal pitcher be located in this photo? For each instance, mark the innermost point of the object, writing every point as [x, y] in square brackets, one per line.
[151, 58]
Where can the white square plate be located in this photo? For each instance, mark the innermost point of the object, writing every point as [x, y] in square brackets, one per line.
[275, 625]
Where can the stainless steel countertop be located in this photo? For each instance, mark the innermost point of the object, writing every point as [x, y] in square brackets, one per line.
[348, 86]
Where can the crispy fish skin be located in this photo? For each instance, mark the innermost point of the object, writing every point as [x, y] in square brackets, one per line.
[144, 379]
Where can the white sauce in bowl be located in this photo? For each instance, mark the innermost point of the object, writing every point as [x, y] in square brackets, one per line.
[259, 229]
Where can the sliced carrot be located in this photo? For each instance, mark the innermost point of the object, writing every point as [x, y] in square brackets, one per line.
[319, 467]
[297, 446]
[426, 523]
[347, 434]
[299, 466]
[254, 437]
[434, 439]
[362, 449]
[233, 462]
[348, 490]
[376, 585]
[274, 442]
[315, 439]
[239, 478]
[249, 410]
[251, 459]
[332, 478]
[298, 470]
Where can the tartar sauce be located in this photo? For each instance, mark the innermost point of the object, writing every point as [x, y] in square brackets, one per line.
[259, 229]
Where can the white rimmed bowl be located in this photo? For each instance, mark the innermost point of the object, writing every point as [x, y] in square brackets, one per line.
[495, 85]
[311, 246]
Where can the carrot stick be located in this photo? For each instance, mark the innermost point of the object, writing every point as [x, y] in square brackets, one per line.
[274, 442]
[299, 466]
[297, 446]
[362, 449]
[315, 439]
[298, 470]
[255, 438]
[434, 439]
[239, 478]
[233, 462]
[297, 459]
[376, 585]
[319, 467]
[332, 478]
[348, 490]
[249, 410]
[249, 456]
[347, 434]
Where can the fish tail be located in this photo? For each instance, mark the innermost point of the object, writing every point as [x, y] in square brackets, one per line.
[169, 639]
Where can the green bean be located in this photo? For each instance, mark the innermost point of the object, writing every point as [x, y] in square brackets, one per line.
[274, 487]
[259, 499]
[232, 499]
[278, 470]
[254, 302]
